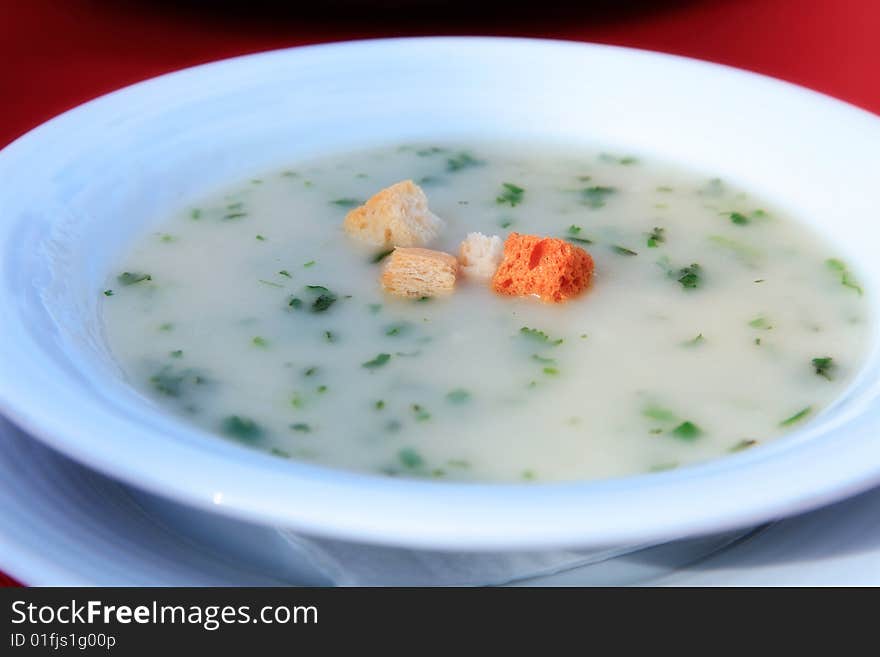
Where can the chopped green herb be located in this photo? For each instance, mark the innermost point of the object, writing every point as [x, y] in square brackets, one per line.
[694, 341]
[761, 323]
[379, 405]
[234, 215]
[510, 194]
[800, 415]
[458, 396]
[689, 276]
[622, 250]
[177, 353]
[310, 371]
[323, 302]
[261, 238]
[528, 475]
[269, 283]
[260, 342]
[302, 427]
[321, 390]
[346, 202]
[743, 444]
[310, 263]
[846, 278]
[329, 336]
[659, 413]
[297, 400]
[420, 413]
[423, 299]
[235, 206]
[166, 238]
[738, 218]
[687, 431]
[280, 452]
[461, 161]
[539, 336]
[242, 428]
[595, 197]
[167, 326]
[410, 458]
[379, 257]
[378, 361]
[824, 366]
[573, 235]
[396, 329]
[195, 214]
[295, 302]
[551, 371]
[656, 237]
[130, 278]
[171, 382]
[108, 293]
[285, 273]
[506, 223]
[318, 288]
[545, 361]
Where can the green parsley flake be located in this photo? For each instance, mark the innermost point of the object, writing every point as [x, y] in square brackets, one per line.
[824, 366]
[511, 194]
[846, 278]
[687, 431]
[378, 361]
[410, 458]
[800, 415]
[539, 336]
[656, 237]
[130, 278]
[458, 396]
[242, 428]
[595, 197]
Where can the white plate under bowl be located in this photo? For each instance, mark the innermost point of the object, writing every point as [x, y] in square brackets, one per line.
[77, 189]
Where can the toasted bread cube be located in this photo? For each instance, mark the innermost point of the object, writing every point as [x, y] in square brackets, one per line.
[547, 267]
[480, 255]
[396, 216]
[414, 272]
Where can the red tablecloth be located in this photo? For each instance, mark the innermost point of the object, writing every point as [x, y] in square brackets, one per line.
[55, 54]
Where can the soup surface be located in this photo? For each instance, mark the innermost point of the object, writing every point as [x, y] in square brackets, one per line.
[713, 322]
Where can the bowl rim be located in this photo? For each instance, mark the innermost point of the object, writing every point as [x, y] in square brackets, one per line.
[730, 492]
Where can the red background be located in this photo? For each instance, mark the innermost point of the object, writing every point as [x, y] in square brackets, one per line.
[55, 54]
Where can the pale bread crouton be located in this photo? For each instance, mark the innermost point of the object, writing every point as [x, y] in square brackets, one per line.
[480, 255]
[396, 216]
[415, 272]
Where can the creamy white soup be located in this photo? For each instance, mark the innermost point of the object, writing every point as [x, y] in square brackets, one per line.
[713, 323]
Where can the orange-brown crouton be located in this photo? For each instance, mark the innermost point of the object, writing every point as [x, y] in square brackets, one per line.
[414, 272]
[550, 268]
[396, 216]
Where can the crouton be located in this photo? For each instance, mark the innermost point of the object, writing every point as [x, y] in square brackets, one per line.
[414, 272]
[547, 267]
[480, 255]
[396, 216]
